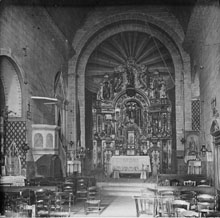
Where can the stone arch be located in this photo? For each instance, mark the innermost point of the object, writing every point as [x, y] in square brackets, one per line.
[85, 42]
[21, 73]
[12, 81]
[82, 38]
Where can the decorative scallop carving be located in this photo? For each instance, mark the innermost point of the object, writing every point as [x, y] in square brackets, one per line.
[117, 49]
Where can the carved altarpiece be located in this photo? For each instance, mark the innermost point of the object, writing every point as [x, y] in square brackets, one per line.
[133, 113]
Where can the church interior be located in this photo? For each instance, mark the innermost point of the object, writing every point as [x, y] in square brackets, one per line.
[120, 97]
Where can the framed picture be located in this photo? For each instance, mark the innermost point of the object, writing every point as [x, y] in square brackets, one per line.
[130, 137]
[191, 143]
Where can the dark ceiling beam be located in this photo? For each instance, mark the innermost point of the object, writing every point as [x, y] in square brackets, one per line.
[102, 61]
[152, 48]
[161, 69]
[120, 47]
[114, 45]
[108, 52]
[135, 43]
[98, 73]
[157, 59]
[140, 48]
[124, 41]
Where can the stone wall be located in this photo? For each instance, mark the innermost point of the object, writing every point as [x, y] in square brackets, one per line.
[39, 50]
[203, 42]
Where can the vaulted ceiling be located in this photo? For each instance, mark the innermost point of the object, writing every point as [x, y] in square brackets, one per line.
[68, 15]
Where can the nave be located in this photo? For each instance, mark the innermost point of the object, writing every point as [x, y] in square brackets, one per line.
[109, 101]
[163, 196]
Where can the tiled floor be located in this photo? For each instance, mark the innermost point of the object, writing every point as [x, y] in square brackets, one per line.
[112, 206]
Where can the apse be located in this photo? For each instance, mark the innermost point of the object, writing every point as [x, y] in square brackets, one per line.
[132, 75]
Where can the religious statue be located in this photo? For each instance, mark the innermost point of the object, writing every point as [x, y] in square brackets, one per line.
[130, 77]
[163, 90]
[117, 81]
[144, 77]
[191, 146]
[155, 162]
[13, 162]
[109, 128]
[106, 91]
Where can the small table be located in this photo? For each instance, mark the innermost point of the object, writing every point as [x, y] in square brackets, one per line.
[194, 167]
[116, 174]
[73, 166]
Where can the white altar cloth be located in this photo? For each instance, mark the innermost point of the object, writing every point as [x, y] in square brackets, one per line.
[130, 164]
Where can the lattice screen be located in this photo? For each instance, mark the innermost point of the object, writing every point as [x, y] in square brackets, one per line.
[195, 114]
[16, 131]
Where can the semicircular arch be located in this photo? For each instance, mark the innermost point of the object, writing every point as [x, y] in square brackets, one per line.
[98, 33]
[11, 82]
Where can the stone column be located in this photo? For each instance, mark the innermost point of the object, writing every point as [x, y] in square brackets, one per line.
[71, 108]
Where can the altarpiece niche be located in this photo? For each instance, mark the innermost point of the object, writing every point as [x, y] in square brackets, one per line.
[132, 116]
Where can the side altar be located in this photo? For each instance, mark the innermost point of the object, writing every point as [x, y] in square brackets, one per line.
[133, 120]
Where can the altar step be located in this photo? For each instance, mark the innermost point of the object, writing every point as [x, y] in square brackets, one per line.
[123, 189]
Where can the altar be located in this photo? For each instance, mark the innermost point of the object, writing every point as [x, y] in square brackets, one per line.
[130, 164]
